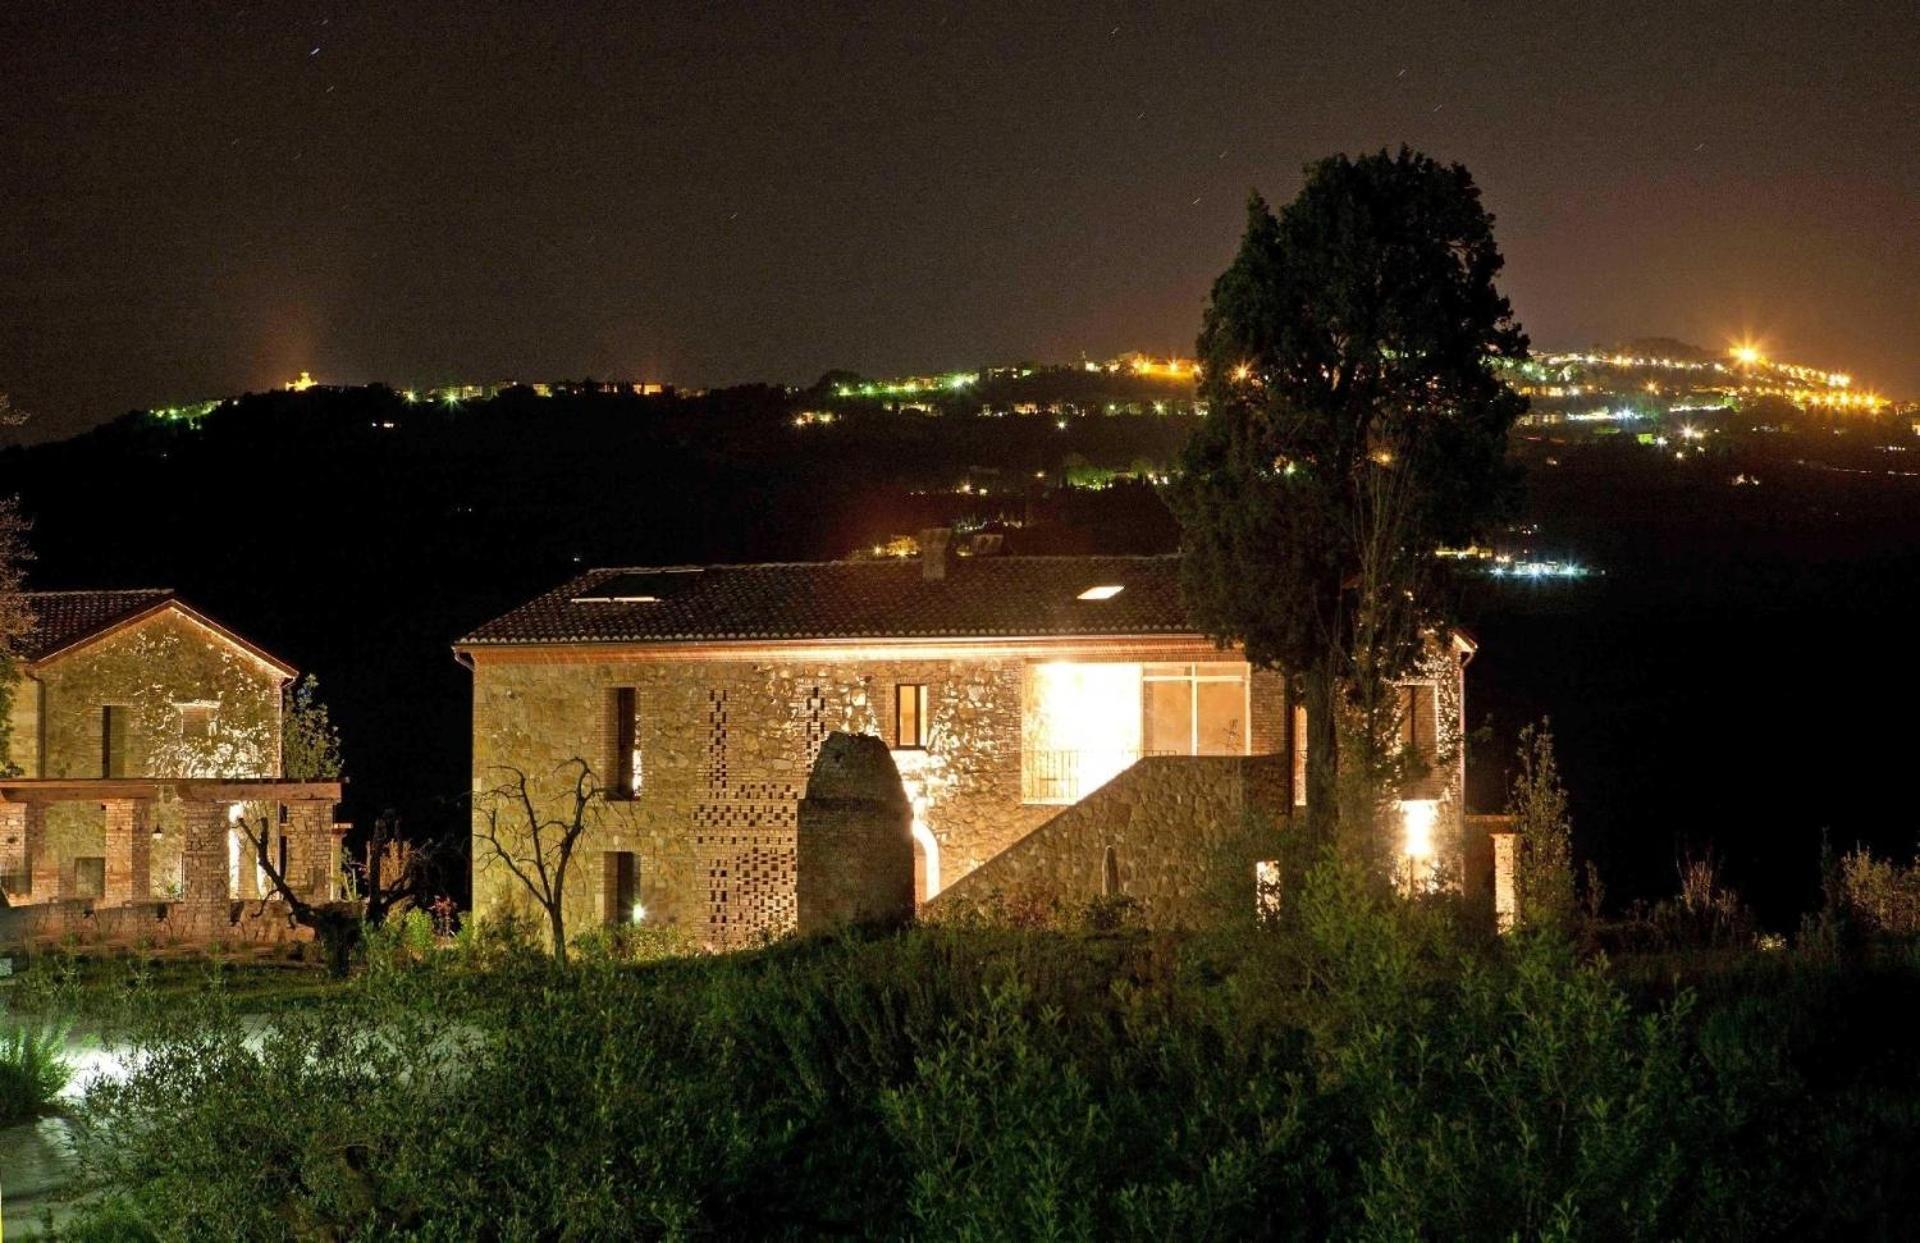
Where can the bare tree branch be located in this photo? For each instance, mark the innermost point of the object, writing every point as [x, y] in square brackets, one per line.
[537, 850]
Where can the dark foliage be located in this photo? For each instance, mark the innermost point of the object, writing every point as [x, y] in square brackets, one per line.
[1347, 348]
[1359, 1070]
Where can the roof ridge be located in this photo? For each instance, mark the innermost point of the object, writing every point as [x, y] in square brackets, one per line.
[102, 591]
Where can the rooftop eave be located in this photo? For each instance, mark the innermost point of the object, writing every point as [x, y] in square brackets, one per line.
[285, 671]
[897, 646]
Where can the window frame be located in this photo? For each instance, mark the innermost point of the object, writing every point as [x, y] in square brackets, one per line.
[204, 711]
[1194, 679]
[920, 696]
[115, 728]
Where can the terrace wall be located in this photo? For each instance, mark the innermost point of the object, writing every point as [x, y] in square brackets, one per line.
[1178, 834]
[74, 922]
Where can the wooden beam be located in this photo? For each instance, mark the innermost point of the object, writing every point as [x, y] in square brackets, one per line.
[187, 789]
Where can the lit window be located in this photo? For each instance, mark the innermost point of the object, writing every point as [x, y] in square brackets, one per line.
[1080, 728]
[1266, 888]
[1106, 591]
[1417, 816]
[625, 769]
[1299, 755]
[620, 881]
[910, 716]
[1084, 723]
[1194, 709]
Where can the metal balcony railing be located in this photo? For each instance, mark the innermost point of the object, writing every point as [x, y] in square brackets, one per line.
[1057, 776]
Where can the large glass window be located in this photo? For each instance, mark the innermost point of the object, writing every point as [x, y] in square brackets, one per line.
[1085, 723]
[1196, 709]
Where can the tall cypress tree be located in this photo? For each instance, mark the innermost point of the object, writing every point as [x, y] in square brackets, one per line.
[1355, 424]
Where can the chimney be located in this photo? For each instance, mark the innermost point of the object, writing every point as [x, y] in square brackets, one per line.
[936, 545]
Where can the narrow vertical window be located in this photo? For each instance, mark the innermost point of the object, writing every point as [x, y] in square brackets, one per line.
[910, 716]
[1299, 755]
[625, 767]
[620, 881]
[113, 741]
[1417, 721]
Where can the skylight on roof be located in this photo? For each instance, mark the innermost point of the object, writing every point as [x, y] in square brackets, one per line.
[1106, 591]
[649, 587]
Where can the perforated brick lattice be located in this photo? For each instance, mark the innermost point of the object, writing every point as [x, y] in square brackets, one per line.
[744, 834]
[813, 710]
[717, 743]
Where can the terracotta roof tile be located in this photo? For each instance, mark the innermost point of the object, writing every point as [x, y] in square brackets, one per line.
[66, 617]
[980, 597]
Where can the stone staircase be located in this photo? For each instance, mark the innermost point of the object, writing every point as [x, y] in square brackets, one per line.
[1174, 833]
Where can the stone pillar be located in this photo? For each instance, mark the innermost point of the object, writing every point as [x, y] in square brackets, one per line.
[312, 864]
[129, 851]
[50, 881]
[20, 844]
[854, 850]
[203, 852]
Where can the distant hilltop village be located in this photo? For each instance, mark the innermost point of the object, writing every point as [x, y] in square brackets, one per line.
[1631, 383]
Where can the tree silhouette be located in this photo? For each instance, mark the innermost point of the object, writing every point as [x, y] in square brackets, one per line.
[1355, 424]
[537, 849]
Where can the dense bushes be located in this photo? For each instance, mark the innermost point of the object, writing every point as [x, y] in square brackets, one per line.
[33, 1070]
[1362, 1068]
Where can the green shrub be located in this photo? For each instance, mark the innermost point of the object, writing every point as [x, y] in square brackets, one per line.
[1359, 1066]
[1879, 895]
[632, 943]
[401, 941]
[33, 1069]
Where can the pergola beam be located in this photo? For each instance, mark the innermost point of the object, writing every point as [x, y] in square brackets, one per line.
[187, 789]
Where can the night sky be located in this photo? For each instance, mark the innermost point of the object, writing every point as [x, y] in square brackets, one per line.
[199, 199]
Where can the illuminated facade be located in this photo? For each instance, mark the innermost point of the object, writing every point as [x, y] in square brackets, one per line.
[139, 729]
[1008, 689]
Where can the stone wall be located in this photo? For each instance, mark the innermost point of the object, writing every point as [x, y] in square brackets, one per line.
[151, 669]
[1172, 833]
[726, 746]
[140, 925]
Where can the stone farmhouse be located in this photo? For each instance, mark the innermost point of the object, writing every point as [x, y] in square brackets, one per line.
[141, 731]
[1059, 727]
